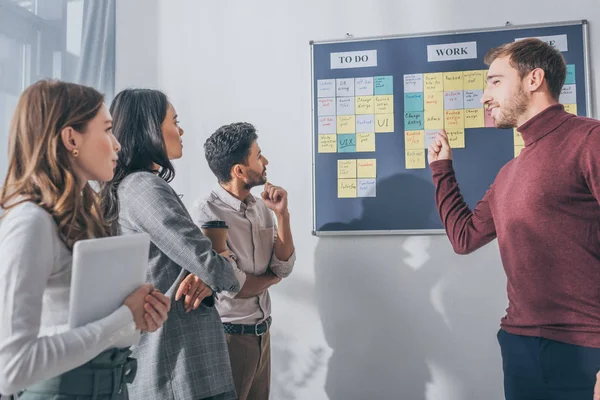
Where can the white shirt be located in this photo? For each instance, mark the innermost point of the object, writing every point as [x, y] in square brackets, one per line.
[35, 279]
[251, 239]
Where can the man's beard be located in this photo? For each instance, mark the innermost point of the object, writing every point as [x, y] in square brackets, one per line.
[514, 108]
[255, 179]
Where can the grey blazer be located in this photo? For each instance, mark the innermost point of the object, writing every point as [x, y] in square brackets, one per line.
[187, 358]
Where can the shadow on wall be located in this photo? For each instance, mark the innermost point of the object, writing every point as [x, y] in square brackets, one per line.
[396, 315]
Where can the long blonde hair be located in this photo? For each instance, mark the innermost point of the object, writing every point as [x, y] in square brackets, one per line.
[39, 167]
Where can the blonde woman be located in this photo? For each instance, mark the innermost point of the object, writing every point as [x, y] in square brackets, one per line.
[60, 138]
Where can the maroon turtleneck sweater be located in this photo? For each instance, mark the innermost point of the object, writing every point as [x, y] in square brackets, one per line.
[544, 208]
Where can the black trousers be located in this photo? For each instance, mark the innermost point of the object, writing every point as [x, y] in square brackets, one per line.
[543, 369]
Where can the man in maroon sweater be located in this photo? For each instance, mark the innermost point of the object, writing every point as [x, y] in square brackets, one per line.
[544, 210]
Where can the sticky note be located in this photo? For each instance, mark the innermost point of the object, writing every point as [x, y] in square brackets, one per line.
[487, 116]
[474, 118]
[454, 120]
[344, 87]
[363, 86]
[518, 139]
[384, 85]
[367, 188]
[366, 168]
[327, 143]
[433, 82]
[364, 104]
[384, 104]
[429, 137]
[326, 125]
[384, 123]
[453, 81]
[326, 106]
[433, 121]
[346, 169]
[414, 140]
[414, 159]
[346, 188]
[454, 100]
[365, 123]
[568, 95]
[473, 98]
[473, 80]
[326, 88]
[413, 101]
[485, 74]
[434, 102]
[346, 124]
[456, 139]
[365, 142]
[413, 121]
[570, 80]
[346, 143]
[345, 106]
[571, 108]
[413, 83]
[518, 150]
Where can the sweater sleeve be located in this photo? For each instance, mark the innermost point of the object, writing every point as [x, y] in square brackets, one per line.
[467, 230]
[28, 246]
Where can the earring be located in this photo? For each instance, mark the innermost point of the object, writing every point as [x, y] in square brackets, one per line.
[75, 152]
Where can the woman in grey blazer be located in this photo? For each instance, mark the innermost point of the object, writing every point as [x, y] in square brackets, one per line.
[187, 359]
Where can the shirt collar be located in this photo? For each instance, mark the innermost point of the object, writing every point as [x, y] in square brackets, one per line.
[232, 201]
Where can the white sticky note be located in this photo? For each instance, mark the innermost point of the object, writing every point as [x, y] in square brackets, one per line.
[413, 83]
[344, 87]
[326, 88]
[363, 86]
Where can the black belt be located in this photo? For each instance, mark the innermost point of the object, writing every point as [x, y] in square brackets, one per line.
[238, 329]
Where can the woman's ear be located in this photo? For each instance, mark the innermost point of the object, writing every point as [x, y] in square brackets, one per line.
[69, 139]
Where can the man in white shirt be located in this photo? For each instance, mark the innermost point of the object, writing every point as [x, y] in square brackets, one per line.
[262, 249]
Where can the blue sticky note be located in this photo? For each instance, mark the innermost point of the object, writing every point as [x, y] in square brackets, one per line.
[346, 143]
[570, 75]
[413, 102]
[383, 85]
[413, 121]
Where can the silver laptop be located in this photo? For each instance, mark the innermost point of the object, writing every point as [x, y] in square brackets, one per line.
[105, 272]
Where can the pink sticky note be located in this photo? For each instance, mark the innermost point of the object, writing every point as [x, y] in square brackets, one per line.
[489, 121]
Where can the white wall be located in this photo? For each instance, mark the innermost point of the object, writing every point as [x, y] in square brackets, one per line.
[361, 317]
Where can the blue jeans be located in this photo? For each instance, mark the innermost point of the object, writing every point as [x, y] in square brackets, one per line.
[541, 369]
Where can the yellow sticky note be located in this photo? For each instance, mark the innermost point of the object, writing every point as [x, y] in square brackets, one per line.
[518, 150]
[485, 72]
[518, 138]
[384, 104]
[346, 188]
[473, 80]
[434, 102]
[414, 140]
[367, 168]
[364, 104]
[474, 118]
[456, 139]
[454, 120]
[346, 124]
[327, 143]
[365, 142]
[433, 82]
[346, 169]
[415, 159]
[433, 121]
[384, 123]
[453, 81]
[571, 108]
